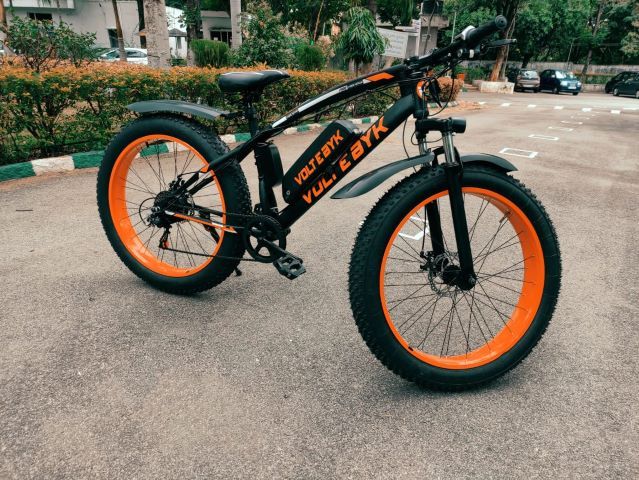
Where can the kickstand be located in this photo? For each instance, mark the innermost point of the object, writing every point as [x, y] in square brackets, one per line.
[238, 272]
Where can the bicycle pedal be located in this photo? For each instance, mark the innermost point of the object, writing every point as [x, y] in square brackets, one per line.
[290, 266]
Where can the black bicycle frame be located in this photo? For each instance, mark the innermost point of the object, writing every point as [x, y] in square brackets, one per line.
[356, 151]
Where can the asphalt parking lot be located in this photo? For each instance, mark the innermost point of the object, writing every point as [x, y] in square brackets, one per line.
[102, 376]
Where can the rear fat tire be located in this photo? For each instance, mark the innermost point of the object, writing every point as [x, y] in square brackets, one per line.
[232, 183]
[366, 262]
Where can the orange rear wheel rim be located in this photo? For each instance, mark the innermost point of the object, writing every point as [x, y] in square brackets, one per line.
[121, 187]
[523, 311]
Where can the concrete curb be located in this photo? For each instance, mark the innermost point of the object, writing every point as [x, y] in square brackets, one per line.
[94, 158]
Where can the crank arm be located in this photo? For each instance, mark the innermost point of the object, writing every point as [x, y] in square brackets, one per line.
[208, 223]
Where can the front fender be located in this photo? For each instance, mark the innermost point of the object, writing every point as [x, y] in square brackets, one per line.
[177, 106]
[374, 178]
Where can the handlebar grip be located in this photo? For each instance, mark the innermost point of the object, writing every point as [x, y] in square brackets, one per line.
[474, 37]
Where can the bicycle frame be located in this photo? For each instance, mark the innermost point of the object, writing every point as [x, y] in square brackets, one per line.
[356, 151]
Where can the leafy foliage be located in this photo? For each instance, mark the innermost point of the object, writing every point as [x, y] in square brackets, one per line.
[265, 41]
[310, 14]
[397, 12]
[210, 53]
[309, 57]
[43, 45]
[360, 41]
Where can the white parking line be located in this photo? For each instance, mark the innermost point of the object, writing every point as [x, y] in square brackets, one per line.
[482, 103]
[563, 129]
[532, 105]
[586, 109]
[543, 137]
[559, 107]
[572, 123]
[631, 108]
[516, 152]
[505, 104]
[616, 112]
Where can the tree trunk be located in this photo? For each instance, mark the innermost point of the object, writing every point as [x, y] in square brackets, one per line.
[141, 23]
[595, 29]
[526, 60]
[317, 21]
[118, 31]
[192, 29]
[236, 32]
[509, 10]
[157, 34]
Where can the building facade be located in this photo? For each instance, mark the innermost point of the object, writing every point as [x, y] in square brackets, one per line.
[85, 16]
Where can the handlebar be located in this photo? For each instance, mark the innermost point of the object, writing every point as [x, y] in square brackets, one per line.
[466, 40]
[475, 36]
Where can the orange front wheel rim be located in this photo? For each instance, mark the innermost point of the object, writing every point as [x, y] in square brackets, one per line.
[437, 322]
[143, 169]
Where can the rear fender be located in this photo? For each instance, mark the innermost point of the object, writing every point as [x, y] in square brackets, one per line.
[177, 106]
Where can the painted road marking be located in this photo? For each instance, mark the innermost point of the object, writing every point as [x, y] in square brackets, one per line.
[532, 105]
[543, 137]
[482, 103]
[516, 152]
[505, 104]
[419, 235]
[631, 108]
[559, 107]
[616, 112]
[580, 116]
[563, 129]
[572, 123]
[586, 109]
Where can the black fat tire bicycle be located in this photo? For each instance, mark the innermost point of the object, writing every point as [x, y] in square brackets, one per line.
[455, 272]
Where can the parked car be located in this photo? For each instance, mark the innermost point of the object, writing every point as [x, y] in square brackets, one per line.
[629, 86]
[559, 81]
[524, 79]
[133, 55]
[620, 77]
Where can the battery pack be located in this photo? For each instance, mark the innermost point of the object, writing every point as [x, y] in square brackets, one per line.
[318, 157]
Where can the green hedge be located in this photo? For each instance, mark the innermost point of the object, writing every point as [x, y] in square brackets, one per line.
[69, 109]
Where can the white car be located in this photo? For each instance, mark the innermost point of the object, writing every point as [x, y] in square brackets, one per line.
[133, 55]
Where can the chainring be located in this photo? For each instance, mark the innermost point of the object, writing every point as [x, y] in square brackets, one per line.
[261, 236]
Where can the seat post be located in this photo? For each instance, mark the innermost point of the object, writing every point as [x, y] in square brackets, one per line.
[251, 115]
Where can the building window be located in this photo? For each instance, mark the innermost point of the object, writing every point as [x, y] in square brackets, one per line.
[178, 42]
[42, 17]
[113, 37]
[221, 36]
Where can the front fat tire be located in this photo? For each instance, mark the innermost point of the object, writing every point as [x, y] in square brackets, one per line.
[232, 183]
[364, 273]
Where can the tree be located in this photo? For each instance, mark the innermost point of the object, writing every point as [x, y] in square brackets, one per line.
[140, 4]
[360, 41]
[310, 14]
[630, 42]
[236, 31]
[397, 12]
[157, 34]
[266, 41]
[192, 18]
[507, 8]
[118, 32]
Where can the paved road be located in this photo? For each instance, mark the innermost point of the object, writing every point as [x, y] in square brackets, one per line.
[102, 376]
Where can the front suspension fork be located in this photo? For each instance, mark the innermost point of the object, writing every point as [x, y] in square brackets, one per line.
[454, 171]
